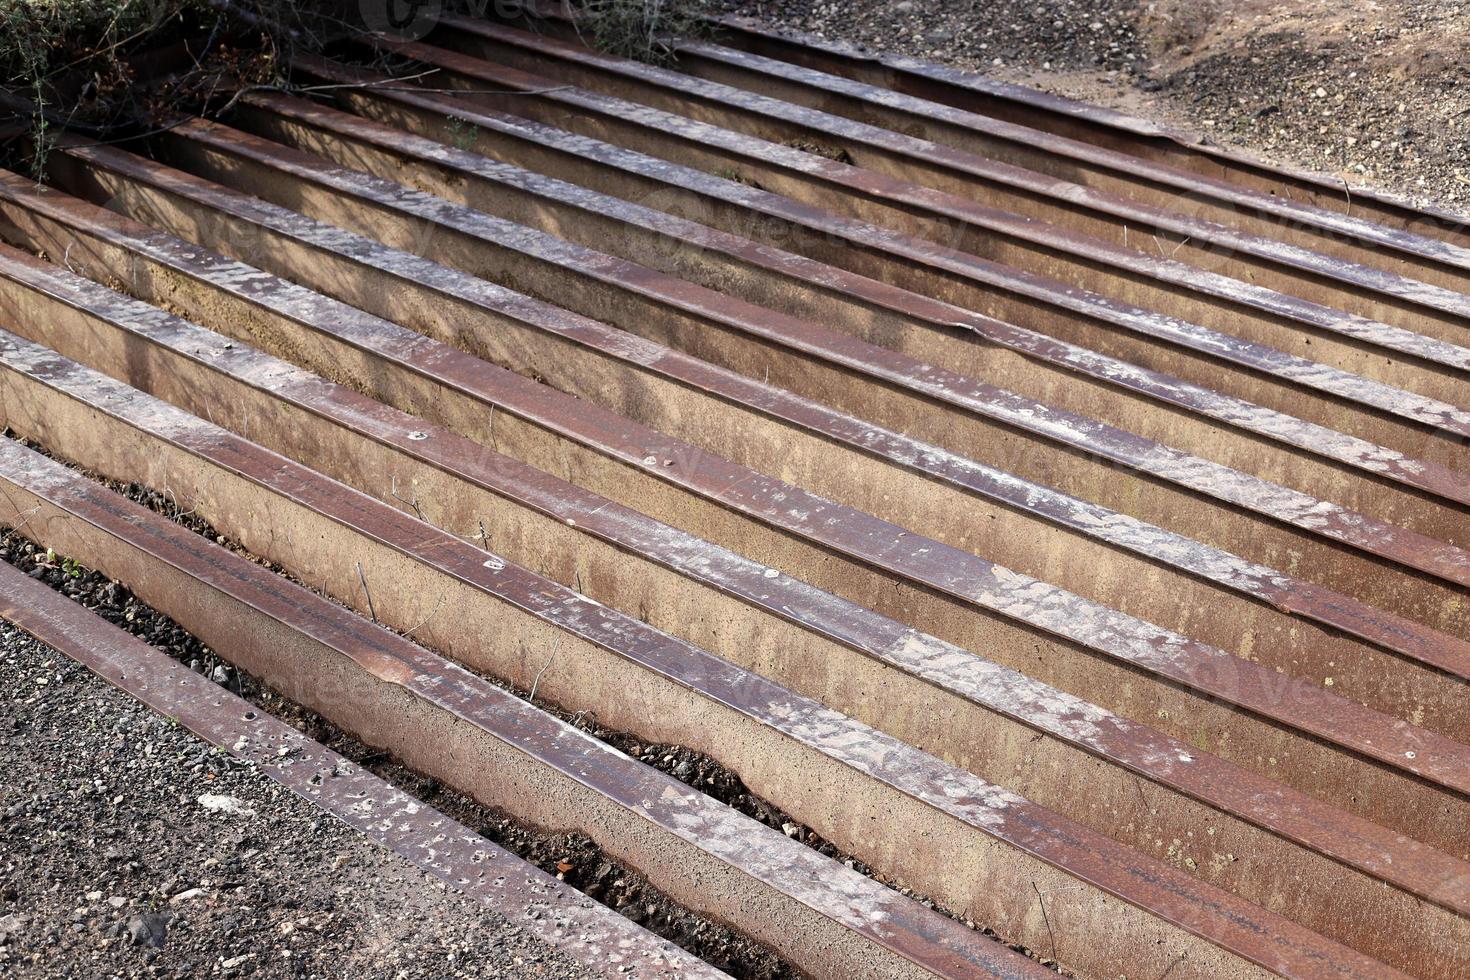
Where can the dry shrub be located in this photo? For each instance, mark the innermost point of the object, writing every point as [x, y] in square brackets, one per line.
[642, 29]
[77, 64]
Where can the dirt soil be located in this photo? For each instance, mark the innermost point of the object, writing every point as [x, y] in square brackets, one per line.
[130, 848]
[1374, 93]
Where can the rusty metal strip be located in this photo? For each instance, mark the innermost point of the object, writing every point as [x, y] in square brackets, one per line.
[1110, 129]
[1356, 842]
[654, 173]
[1281, 504]
[1189, 338]
[841, 529]
[514, 194]
[1058, 153]
[1417, 299]
[828, 90]
[634, 445]
[552, 911]
[588, 513]
[386, 259]
[1237, 928]
[885, 921]
[800, 272]
[1281, 591]
[1142, 750]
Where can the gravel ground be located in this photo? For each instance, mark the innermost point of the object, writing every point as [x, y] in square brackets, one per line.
[130, 848]
[1377, 93]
